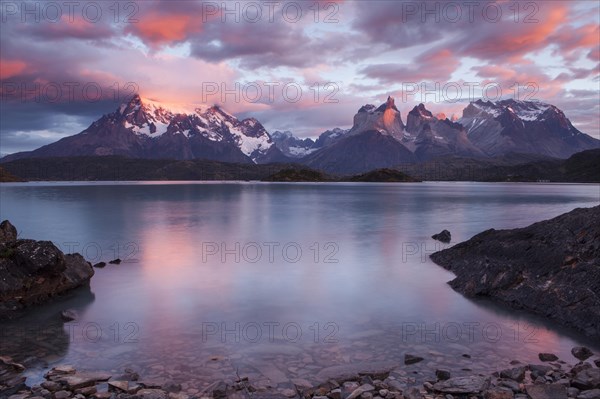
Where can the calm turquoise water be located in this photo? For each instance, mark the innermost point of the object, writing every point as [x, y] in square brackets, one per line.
[275, 280]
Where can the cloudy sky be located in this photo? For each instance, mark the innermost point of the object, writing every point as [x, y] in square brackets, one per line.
[304, 66]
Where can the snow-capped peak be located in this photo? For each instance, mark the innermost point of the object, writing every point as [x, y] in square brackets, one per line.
[150, 118]
[524, 110]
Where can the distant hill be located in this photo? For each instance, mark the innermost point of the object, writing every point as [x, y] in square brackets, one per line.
[583, 167]
[6, 177]
[383, 176]
[298, 175]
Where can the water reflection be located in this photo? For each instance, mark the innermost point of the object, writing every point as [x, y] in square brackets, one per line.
[187, 301]
[40, 337]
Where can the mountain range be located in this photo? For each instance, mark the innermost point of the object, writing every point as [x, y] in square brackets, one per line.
[142, 128]
[379, 138]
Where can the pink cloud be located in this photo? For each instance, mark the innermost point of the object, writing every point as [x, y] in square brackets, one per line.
[11, 68]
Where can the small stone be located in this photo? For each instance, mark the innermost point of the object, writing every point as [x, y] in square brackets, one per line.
[466, 355]
[151, 394]
[52, 386]
[301, 384]
[118, 386]
[590, 394]
[115, 261]
[442, 374]
[428, 386]
[288, 393]
[546, 391]
[516, 373]
[80, 380]
[462, 385]
[383, 392]
[365, 379]
[498, 393]
[580, 367]
[69, 315]
[548, 357]
[366, 395]
[220, 390]
[87, 391]
[597, 363]
[510, 384]
[350, 386]
[335, 393]
[539, 370]
[581, 352]
[411, 359]
[413, 393]
[443, 236]
[62, 395]
[100, 265]
[62, 369]
[360, 390]
[171, 387]
[587, 379]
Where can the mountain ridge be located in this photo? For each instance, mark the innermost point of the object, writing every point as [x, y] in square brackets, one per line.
[379, 138]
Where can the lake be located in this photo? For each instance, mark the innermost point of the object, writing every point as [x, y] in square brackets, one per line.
[275, 281]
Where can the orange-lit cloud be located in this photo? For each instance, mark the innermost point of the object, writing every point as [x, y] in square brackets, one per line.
[10, 68]
[158, 29]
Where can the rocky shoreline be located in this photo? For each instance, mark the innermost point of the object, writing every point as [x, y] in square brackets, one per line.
[551, 268]
[551, 378]
[33, 272]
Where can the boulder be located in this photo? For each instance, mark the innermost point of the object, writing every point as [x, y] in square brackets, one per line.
[33, 271]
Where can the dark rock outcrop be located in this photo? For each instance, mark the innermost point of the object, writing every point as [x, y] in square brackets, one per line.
[443, 236]
[34, 271]
[550, 268]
